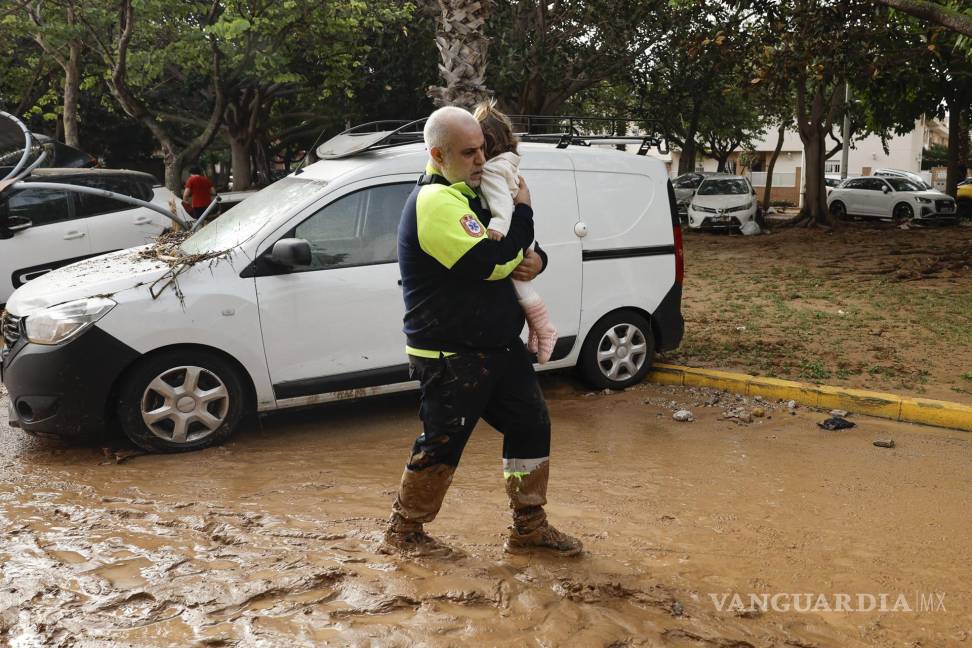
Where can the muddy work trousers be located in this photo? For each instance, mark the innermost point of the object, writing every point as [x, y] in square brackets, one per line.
[499, 387]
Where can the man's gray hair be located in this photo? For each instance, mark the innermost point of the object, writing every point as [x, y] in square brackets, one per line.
[436, 132]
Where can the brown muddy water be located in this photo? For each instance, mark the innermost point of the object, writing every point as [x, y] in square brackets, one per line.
[271, 540]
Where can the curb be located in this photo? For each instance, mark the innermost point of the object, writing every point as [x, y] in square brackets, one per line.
[944, 414]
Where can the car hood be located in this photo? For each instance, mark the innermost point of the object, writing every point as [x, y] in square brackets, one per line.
[932, 194]
[103, 275]
[722, 201]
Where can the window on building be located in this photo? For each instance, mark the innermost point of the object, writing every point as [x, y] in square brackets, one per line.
[832, 166]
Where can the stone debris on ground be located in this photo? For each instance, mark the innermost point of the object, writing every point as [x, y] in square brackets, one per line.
[884, 443]
[839, 413]
[683, 416]
[836, 423]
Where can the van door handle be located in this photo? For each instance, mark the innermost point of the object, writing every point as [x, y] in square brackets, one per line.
[143, 220]
[73, 234]
[580, 229]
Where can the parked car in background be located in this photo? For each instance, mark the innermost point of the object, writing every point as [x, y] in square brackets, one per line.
[723, 202]
[891, 198]
[897, 173]
[832, 181]
[44, 229]
[685, 187]
[963, 198]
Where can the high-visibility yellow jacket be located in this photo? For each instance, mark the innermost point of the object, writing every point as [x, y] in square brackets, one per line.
[455, 280]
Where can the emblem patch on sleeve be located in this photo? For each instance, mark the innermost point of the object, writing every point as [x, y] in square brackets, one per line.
[472, 226]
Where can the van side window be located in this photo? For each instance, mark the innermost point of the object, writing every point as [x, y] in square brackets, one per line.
[89, 205]
[40, 206]
[360, 228]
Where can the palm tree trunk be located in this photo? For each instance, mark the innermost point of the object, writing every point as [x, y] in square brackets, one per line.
[462, 48]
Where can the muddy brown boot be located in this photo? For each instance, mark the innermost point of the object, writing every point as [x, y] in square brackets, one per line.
[531, 532]
[419, 500]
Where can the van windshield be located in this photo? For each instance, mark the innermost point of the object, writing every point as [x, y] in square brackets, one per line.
[247, 218]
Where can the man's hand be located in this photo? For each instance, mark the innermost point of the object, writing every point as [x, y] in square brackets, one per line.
[529, 267]
[523, 195]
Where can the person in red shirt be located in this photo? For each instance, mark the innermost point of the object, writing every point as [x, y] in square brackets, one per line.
[199, 191]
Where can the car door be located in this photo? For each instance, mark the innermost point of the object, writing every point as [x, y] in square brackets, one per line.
[337, 325]
[875, 201]
[116, 225]
[850, 194]
[54, 239]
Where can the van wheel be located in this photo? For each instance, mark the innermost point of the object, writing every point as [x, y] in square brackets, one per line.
[618, 351]
[181, 400]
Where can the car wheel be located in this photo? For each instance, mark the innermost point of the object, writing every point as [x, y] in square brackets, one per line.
[902, 213]
[181, 400]
[838, 211]
[618, 351]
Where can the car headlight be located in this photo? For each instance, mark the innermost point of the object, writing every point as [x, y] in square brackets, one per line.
[60, 323]
[745, 207]
[926, 201]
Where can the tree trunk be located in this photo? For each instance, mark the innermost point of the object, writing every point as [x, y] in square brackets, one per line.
[686, 161]
[72, 95]
[462, 48]
[723, 160]
[954, 145]
[768, 189]
[240, 155]
[815, 196]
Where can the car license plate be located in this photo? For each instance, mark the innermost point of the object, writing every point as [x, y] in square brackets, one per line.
[947, 209]
[720, 219]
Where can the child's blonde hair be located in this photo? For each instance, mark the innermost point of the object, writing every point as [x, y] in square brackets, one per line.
[497, 129]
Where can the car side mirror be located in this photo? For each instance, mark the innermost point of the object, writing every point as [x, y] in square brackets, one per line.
[291, 253]
[886, 189]
[13, 224]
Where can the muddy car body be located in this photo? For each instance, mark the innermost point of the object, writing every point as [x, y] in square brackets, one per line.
[292, 298]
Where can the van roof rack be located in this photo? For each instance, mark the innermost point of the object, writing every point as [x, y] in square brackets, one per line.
[562, 131]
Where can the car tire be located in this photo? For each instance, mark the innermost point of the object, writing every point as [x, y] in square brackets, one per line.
[902, 213]
[181, 400]
[838, 210]
[618, 351]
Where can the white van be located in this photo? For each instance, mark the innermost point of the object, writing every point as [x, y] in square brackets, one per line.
[44, 229]
[178, 354]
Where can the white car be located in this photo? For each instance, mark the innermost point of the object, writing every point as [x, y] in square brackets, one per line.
[44, 229]
[897, 173]
[891, 198]
[723, 202]
[293, 297]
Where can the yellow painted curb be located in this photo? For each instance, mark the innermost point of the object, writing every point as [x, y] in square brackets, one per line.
[884, 405]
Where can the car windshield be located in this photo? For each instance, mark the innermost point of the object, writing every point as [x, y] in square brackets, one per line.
[903, 184]
[722, 187]
[831, 182]
[245, 219]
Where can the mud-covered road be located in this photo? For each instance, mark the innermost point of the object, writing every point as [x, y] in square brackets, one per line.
[271, 539]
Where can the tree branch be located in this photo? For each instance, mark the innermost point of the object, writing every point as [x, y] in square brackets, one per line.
[933, 12]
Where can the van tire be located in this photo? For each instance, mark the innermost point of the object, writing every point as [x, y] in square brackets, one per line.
[158, 384]
[632, 335]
